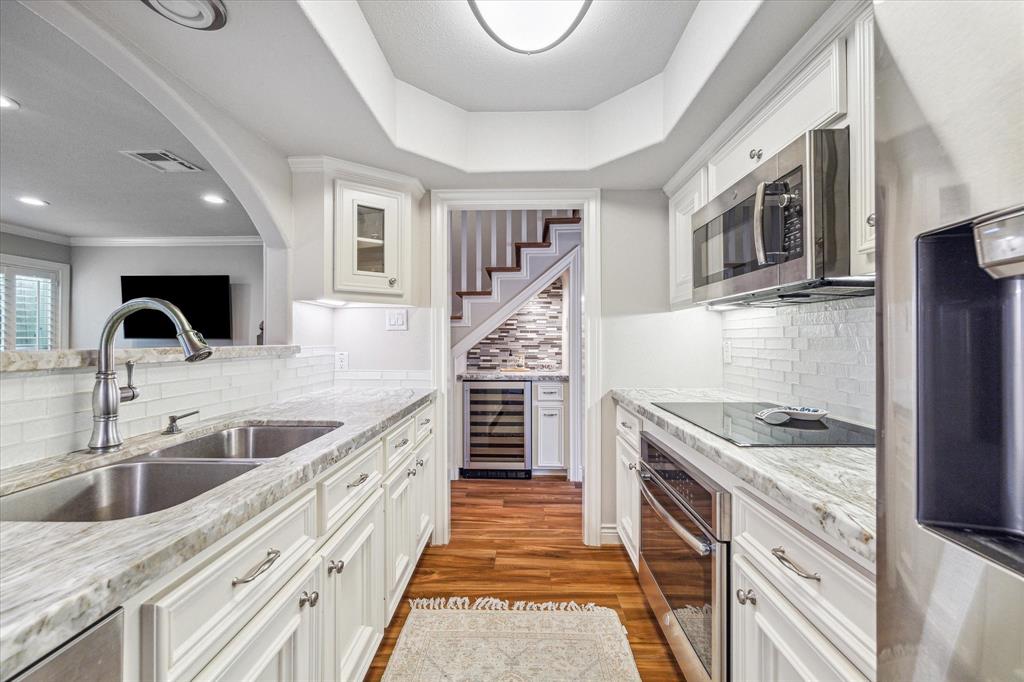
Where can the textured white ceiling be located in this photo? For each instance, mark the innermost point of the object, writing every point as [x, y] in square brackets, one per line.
[63, 144]
[438, 46]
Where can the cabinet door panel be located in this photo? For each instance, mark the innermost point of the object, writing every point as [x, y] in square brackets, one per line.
[399, 506]
[353, 561]
[772, 642]
[627, 498]
[367, 241]
[282, 642]
[684, 203]
[550, 436]
[425, 481]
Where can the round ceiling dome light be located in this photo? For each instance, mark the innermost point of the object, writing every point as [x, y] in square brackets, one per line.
[529, 27]
[202, 15]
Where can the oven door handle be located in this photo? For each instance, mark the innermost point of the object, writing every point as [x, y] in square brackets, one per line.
[696, 544]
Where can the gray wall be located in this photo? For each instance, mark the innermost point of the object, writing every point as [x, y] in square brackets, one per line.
[26, 247]
[96, 283]
[643, 343]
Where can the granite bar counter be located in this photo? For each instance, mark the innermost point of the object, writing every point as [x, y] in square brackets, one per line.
[57, 578]
[827, 489]
[31, 361]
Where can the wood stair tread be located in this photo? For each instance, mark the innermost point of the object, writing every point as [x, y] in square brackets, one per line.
[502, 268]
[473, 293]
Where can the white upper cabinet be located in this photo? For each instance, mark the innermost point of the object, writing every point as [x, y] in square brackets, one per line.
[354, 233]
[367, 241]
[683, 204]
[813, 99]
[862, 145]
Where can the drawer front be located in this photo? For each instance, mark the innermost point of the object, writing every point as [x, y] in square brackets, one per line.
[424, 420]
[829, 592]
[549, 392]
[628, 425]
[399, 441]
[341, 493]
[185, 627]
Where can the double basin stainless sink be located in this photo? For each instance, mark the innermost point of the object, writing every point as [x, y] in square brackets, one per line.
[159, 479]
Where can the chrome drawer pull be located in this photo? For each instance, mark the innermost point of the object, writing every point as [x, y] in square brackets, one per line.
[626, 425]
[420, 462]
[260, 569]
[335, 567]
[310, 598]
[410, 472]
[402, 443]
[780, 554]
[425, 421]
[632, 466]
[744, 597]
[359, 481]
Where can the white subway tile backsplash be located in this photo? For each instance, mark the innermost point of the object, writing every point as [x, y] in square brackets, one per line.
[50, 412]
[821, 354]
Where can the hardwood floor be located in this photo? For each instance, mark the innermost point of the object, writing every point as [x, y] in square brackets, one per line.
[524, 540]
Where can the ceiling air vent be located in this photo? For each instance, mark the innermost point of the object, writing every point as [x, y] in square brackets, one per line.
[164, 161]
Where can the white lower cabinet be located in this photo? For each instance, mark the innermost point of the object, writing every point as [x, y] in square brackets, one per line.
[283, 641]
[627, 498]
[549, 425]
[771, 640]
[353, 594]
[424, 483]
[400, 509]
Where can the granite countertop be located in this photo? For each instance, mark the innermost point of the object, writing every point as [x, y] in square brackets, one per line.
[513, 376]
[828, 489]
[29, 361]
[57, 578]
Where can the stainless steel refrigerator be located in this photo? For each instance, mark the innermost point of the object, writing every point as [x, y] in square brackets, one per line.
[949, 144]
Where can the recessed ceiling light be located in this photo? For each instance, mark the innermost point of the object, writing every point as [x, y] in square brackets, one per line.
[214, 199]
[33, 201]
[202, 15]
[8, 103]
[529, 27]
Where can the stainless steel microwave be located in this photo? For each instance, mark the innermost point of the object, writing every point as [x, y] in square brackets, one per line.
[781, 235]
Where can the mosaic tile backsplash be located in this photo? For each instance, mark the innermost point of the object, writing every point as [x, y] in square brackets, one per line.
[534, 332]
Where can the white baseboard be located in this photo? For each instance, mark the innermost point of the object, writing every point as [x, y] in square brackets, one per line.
[610, 534]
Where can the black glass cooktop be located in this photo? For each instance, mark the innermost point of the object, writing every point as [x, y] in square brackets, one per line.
[736, 423]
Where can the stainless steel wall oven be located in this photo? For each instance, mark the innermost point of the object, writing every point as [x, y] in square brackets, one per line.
[684, 559]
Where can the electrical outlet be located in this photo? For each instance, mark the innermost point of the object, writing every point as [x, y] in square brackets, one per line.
[396, 320]
[727, 352]
[341, 360]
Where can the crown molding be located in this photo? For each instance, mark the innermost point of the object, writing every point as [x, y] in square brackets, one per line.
[357, 172]
[167, 241]
[30, 233]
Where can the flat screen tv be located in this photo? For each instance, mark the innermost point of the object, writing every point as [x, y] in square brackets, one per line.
[204, 299]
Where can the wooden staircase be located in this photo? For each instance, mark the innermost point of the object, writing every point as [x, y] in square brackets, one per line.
[519, 248]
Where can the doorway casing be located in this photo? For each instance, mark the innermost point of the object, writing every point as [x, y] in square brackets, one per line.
[585, 377]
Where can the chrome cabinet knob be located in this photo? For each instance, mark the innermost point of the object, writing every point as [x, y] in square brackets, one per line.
[392, 281]
[310, 598]
[871, 220]
[632, 466]
[746, 596]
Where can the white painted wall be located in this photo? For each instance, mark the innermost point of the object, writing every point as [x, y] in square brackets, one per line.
[26, 247]
[361, 333]
[96, 284]
[643, 343]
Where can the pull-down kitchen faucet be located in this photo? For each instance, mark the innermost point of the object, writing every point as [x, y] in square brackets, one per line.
[106, 395]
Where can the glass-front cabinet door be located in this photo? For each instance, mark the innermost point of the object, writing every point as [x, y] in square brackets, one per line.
[367, 242]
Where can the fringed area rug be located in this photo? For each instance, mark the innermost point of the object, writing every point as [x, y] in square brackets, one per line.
[491, 639]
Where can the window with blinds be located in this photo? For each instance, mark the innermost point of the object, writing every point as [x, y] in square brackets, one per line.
[30, 305]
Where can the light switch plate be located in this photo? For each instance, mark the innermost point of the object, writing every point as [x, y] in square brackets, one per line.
[396, 320]
[727, 352]
[341, 360]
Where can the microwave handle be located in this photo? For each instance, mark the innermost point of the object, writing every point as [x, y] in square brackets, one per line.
[762, 256]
